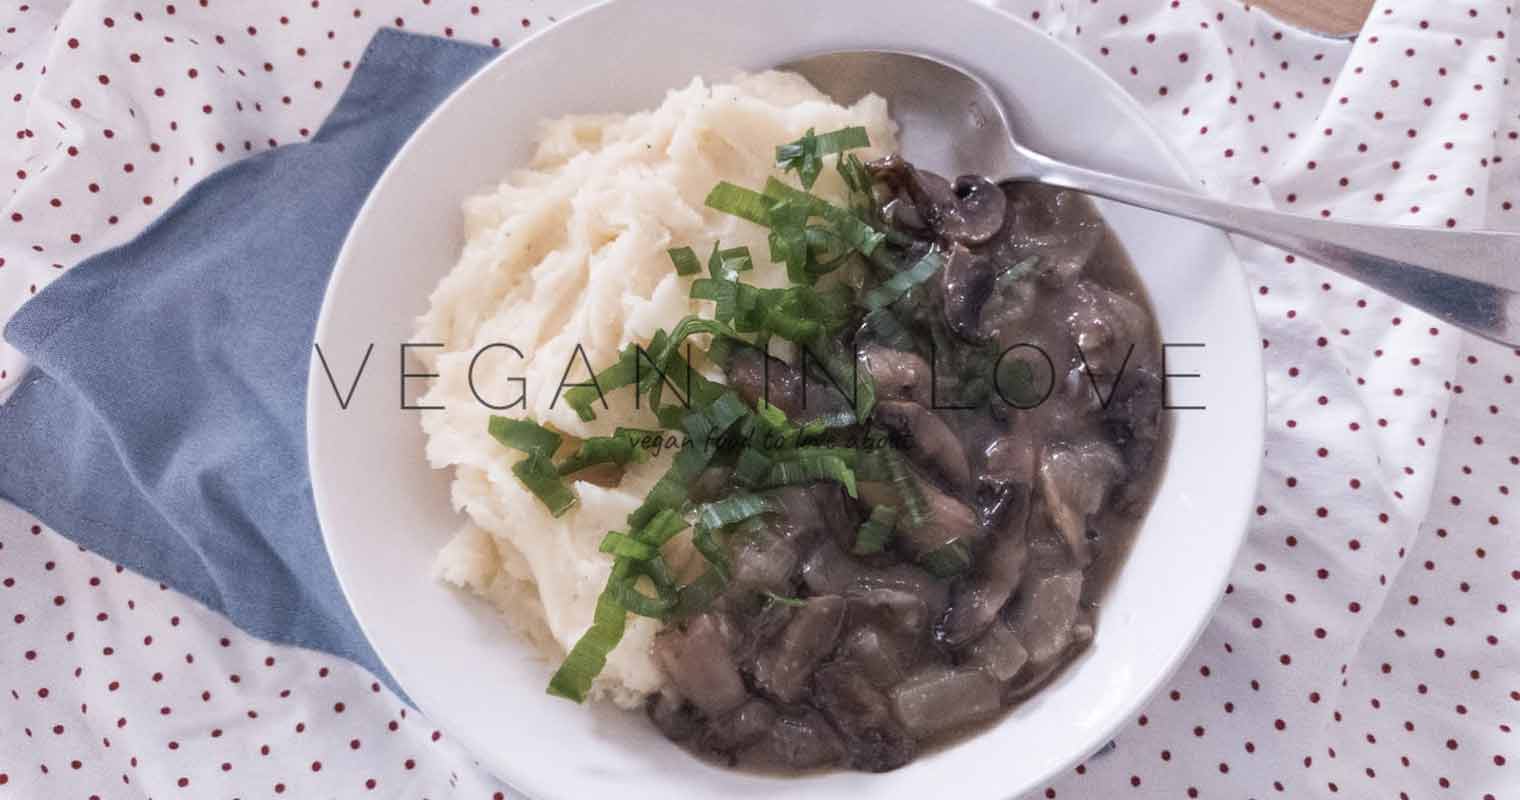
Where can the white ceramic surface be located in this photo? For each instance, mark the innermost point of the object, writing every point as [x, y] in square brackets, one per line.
[384, 513]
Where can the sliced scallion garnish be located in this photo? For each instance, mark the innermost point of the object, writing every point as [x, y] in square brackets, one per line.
[685, 260]
[525, 435]
[794, 602]
[735, 508]
[625, 546]
[876, 532]
[811, 468]
[805, 156]
[589, 655]
[542, 478]
[741, 202]
[618, 450]
[727, 264]
[892, 289]
[947, 560]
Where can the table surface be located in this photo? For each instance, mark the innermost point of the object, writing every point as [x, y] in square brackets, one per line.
[1334, 17]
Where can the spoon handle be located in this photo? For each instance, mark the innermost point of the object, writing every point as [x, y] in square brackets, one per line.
[1470, 279]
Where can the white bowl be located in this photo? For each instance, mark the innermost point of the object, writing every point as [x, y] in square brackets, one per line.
[384, 513]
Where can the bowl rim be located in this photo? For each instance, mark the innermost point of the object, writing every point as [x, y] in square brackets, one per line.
[1180, 175]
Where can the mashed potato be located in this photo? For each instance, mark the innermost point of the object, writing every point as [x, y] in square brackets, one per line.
[572, 251]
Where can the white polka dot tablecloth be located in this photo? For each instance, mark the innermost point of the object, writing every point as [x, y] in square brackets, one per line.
[1364, 648]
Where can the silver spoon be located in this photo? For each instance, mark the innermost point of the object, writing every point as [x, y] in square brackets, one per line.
[1467, 278]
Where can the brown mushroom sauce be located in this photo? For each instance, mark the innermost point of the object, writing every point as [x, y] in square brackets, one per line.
[881, 659]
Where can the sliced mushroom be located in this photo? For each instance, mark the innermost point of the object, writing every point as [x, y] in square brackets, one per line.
[1132, 422]
[999, 652]
[1106, 327]
[1050, 622]
[700, 664]
[875, 741]
[981, 595]
[1073, 482]
[800, 739]
[757, 376]
[675, 717]
[1008, 473]
[898, 611]
[969, 211]
[927, 440]
[1059, 226]
[898, 375]
[739, 728]
[711, 484]
[889, 630]
[1012, 458]
[1046, 614]
[978, 213]
[939, 699]
[872, 652]
[606, 474]
[965, 284]
[947, 520]
[829, 570]
[762, 561]
[782, 668]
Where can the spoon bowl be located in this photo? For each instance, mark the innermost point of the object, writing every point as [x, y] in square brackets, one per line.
[953, 123]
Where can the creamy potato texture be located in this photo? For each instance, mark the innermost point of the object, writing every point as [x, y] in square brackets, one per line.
[571, 251]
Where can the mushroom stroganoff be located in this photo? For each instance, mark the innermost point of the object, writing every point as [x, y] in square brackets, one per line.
[904, 474]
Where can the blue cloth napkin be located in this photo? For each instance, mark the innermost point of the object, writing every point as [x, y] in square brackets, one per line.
[163, 423]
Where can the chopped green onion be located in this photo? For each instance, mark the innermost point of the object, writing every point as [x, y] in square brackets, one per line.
[725, 411]
[622, 373]
[659, 574]
[892, 289]
[735, 508]
[854, 230]
[849, 455]
[711, 550]
[827, 250]
[541, 478]
[855, 175]
[1017, 271]
[618, 450]
[805, 156]
[724, 293]
[794, 602]
[788, 237]
[896, 472]
[741, 202]
[876, 532]
[947, 560]
[844, 372]
[525, 435]
[771, 414]
[661, 528]
[625, 546]
[685, 260]
[589, 655]
[727, 264]
[629, 597]
[671, 489]
[752, 467]
[810, 468]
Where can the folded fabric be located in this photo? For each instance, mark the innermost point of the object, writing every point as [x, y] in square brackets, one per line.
[163, 422]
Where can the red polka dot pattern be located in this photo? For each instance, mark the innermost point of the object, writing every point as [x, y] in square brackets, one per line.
[1364, 647]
